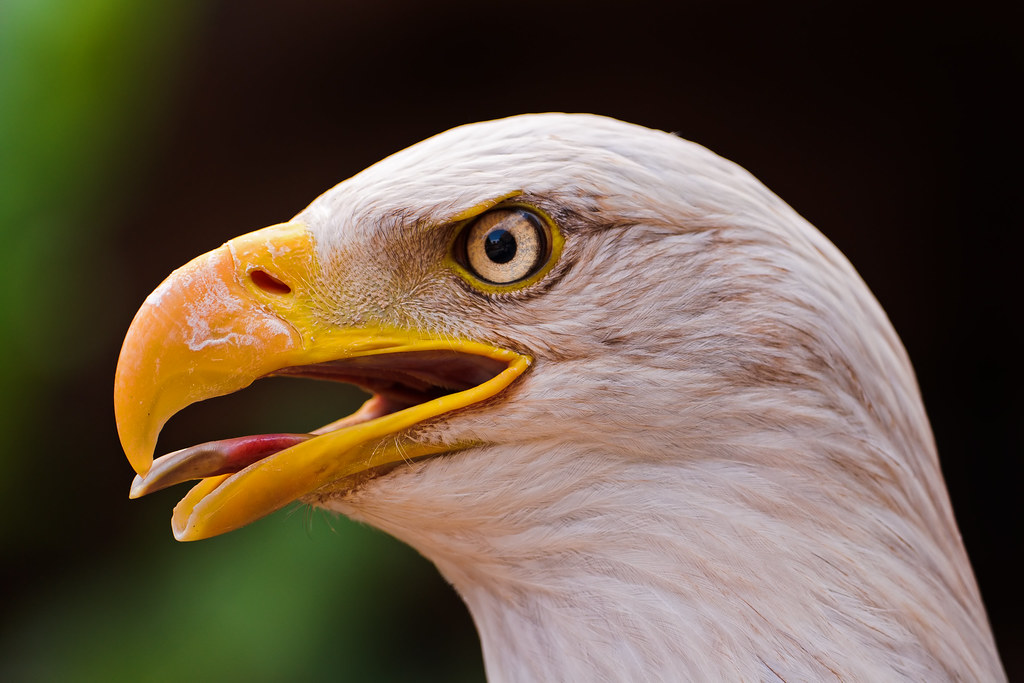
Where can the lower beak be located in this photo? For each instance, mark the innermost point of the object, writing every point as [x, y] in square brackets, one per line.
[246, 310]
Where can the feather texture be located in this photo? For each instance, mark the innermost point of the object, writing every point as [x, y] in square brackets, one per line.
[719, 466]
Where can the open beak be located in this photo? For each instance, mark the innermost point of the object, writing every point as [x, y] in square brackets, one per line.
[250, 309]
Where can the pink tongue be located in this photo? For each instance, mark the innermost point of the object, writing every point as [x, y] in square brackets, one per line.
[212, 458]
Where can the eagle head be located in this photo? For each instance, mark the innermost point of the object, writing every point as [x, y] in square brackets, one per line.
[645, 418]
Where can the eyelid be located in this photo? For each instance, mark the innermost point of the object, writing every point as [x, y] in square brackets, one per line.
[483, 207]
[456, 257]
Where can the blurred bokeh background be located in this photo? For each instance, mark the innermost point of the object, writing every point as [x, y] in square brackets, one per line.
[136, 135]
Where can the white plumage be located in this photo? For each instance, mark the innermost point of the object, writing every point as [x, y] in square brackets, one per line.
[719, 466]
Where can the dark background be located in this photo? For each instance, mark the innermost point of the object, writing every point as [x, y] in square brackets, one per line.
[134, 136]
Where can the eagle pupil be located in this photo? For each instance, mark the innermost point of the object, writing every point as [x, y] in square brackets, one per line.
[500, 246]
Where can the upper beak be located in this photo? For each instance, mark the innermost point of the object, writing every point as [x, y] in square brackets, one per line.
[208, 330]
[238, 313]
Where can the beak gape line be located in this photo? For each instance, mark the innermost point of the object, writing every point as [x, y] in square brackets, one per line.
[245, 311]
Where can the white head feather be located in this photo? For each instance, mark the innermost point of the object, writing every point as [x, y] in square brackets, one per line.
[719, 467]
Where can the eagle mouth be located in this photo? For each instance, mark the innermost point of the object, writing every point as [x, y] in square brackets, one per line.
[396, 381]
[250, 309]
[412, 380]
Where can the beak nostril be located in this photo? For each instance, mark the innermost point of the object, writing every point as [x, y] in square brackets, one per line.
[268, 283]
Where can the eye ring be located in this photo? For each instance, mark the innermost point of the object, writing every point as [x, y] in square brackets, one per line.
[506, 246]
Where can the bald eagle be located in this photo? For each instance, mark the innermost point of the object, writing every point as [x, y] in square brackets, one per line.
[644, 417]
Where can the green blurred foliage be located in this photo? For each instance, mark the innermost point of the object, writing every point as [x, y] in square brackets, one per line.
[266, 603]
[94, 594]
[81, 86]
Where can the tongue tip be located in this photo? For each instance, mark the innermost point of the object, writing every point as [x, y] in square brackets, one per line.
[138, 488]
[211, 459]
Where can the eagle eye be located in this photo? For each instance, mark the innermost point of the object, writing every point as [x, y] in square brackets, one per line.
[504, 246]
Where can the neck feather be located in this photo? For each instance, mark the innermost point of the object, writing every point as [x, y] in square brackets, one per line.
[709, 568]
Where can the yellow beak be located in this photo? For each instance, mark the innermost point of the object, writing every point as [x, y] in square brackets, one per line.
[246, 310]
